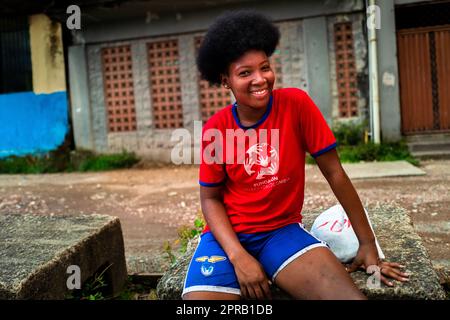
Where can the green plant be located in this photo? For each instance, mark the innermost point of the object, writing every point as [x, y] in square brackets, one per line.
[94, 288]
[77, 161]
[185, 234]
[127, 293]
[309, 159]
[349, 133]
[353, 147]
[27, 164]
[373, 152]
[376, 152]
[107, 162]
[137, 288]
[167, 248]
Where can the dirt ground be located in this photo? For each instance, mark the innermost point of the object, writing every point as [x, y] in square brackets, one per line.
[153, 203]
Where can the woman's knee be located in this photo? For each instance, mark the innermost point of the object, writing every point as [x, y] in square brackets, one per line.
[318, 274]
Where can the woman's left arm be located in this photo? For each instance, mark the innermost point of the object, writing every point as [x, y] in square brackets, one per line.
[342, 187]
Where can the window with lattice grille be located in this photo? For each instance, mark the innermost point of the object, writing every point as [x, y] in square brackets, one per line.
[211, 98]
[165, 86]
[118, 88]
[346, 70]
[15, 55]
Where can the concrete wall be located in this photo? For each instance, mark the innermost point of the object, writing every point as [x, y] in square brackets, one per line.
[32, 123]
[96, 99]
[47, 56]
[318, 64]
[79, 98]
[293, 56]
[390, 113]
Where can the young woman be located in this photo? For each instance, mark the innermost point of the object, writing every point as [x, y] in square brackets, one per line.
[252, 185]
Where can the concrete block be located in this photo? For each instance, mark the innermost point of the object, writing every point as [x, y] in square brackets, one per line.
[36, 251]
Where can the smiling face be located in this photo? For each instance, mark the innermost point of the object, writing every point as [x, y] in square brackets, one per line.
[251, 79]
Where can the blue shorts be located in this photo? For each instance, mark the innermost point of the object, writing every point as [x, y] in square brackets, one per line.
[211, 270]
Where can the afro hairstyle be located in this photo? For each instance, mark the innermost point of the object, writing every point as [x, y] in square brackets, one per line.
[229, 37]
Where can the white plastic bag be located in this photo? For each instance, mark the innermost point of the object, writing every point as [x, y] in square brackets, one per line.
[334, 227]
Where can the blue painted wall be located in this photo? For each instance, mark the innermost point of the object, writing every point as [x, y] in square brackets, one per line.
[32, 123]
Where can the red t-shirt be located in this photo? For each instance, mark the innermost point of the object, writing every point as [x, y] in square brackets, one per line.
[262, 167]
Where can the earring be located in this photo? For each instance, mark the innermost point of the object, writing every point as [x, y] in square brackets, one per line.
[226, 86]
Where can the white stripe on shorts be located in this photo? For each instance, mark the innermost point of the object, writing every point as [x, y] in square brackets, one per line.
[192, 259]
[212, 289]
[303, 227]
[299, 253]
[296, 255]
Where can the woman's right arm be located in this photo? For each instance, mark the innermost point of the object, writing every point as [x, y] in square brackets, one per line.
[251, 276]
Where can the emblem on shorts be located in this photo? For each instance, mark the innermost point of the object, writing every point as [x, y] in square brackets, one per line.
[207, 266]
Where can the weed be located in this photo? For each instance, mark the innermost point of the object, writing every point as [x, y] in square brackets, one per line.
[353, 147]
[27, 164]
[350, 133]
[94, 288]
[185, 234]
[137, 289]
[77, 161]
[376, 152]
[167, 248]
[104, 162]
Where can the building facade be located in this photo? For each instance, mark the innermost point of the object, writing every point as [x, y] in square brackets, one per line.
[133, 80]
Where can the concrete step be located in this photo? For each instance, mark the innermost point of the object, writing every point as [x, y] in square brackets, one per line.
[434, 137]
[432, 152]
[37, 252]
[431, 145]
[381, 169]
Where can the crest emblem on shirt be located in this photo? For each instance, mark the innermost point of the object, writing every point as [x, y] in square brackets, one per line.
[207, 266]
[262, 159]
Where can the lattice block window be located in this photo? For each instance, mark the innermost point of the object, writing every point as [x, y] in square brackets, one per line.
[165, 84]
[118, 88]
[211, 98]
[346, 70]
[275, 63]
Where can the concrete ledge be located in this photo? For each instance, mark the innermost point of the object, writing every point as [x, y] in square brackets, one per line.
[35, 252]
[398, 239]
[365, 170]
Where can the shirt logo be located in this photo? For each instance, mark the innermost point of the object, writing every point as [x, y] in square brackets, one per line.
[207, 266]
[261, 158]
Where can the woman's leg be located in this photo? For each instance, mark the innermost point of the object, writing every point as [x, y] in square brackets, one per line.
[318, 274]
[207, 295]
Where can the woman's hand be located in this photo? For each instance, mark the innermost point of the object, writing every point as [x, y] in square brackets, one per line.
[367, 255]
[251, 277]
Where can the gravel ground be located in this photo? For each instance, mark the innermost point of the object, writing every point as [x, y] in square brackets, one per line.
[153, 203]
